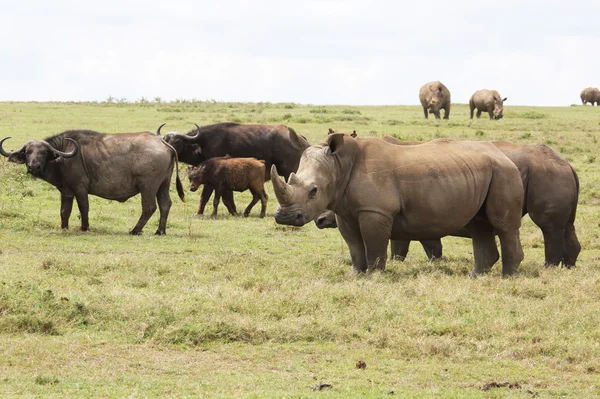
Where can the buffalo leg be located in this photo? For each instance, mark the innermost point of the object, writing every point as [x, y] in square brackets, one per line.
[255, 198]
[350, 232]
[375, 229]
[433, 248]
[84, 209]
[204, 197]
[216, 203]
[229, 203]
[263, 203]
[164, 206]
[66, 206]
[148, 209]
[399, 249]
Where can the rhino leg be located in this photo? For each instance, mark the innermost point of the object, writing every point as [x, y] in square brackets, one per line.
[436, 113]
[66, 206]
[485, 251]
[148, 209]
[399, 249]
[447, 112]
[491, 114]
[433, 248]
[426, 113]
[84, 208]
[554, 245]
[375, 229]
[164, 206]
[350, 231]
[478, 114]
[572, 247]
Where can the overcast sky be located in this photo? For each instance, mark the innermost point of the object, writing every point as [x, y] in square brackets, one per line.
[308, 52]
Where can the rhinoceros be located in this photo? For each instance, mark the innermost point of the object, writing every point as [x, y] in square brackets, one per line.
[434, 96]
[381, 191]
[551, 195]
[590, 95]
[488, 101]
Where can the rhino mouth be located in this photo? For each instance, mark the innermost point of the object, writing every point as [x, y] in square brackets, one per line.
[325, 222]
[291, 216]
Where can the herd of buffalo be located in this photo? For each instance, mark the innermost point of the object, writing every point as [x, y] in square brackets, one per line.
[374, 190]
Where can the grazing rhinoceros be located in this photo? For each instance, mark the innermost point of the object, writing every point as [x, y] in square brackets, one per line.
[590, 95]
[487, 101]
[381, 191]
[434, 96]
[551, 194]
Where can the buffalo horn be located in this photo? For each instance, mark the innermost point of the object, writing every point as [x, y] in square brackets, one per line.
[283, 191]
[158, 130]
[4, 153]
[61, 153]
[195, 136]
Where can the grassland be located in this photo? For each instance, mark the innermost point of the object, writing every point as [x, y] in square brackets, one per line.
[236, 307]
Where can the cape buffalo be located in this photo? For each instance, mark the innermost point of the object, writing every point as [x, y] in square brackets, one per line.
[590, 95]
[434, 96]
[381, 191]
[551, 195]
[271, 143]
[487, 101]
[228, 174]
[111, 166]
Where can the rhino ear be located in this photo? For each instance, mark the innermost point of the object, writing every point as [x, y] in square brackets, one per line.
[354, 134]
[331, 131]
[335, 142]
[504, 99]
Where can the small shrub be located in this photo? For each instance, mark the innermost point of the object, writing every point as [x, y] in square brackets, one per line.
[591, 159]
[318, 111]
[351, 111]
[43, 380]
[533, 115]
[394, 122]
[525, 135]
[479, 133]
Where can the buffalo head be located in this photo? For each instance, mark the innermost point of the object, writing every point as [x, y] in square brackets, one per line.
[186, 145]
[196, 174]
[36, 154]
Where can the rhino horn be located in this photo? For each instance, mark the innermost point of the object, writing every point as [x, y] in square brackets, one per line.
[283, 191]
[294, 180]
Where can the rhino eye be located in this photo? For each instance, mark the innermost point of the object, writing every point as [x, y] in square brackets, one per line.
[313, 192]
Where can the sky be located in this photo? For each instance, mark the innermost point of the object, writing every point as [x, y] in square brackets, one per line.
[308, 52]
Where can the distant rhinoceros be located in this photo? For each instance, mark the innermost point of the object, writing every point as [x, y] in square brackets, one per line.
[434, 96]
[590, 95]
[381, 191]
[551, 196]
[487, 101]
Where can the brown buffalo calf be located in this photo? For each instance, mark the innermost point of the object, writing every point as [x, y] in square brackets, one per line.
[227, 174]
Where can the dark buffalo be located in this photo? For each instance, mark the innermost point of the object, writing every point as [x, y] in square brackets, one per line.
[228, 174]
[277, 145]
[111, 166]
[551, 196]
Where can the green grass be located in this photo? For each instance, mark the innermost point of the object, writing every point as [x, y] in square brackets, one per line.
[237, 307]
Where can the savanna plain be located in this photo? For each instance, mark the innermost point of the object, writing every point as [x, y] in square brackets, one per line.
[242, 307]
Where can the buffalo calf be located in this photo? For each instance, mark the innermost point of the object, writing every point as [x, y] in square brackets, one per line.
[227, 174]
